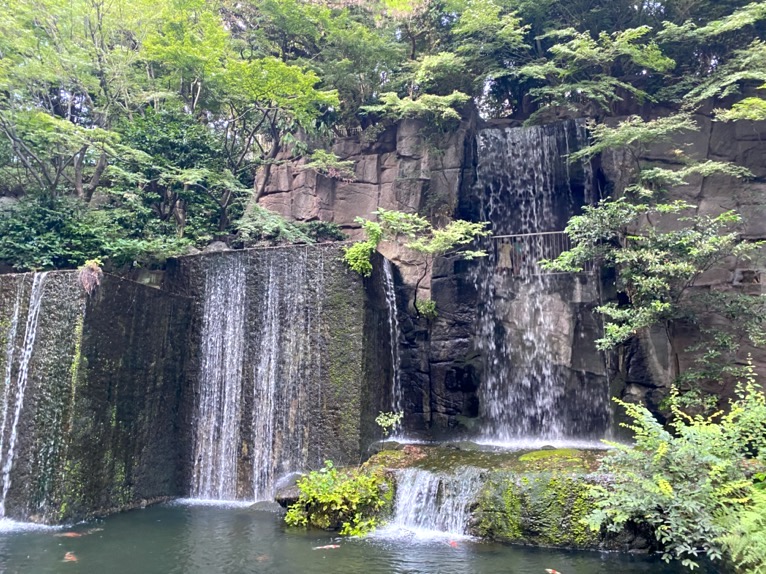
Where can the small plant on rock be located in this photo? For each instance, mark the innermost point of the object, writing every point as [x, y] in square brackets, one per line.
[388, 421]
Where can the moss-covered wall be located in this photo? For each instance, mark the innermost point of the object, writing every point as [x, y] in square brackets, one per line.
[345, 379]
[97, 429]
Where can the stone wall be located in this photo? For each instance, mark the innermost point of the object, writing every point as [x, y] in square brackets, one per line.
[336, 362]
[90, 403]
[408, 171]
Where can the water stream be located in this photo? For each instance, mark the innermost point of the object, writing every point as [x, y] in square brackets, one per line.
[397, 402]
[526, 324]
[219, 408]
[13, 393]
[260, 363]
[434, 504]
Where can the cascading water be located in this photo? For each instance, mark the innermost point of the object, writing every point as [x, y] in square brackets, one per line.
[528, 191]
[428, 502]
[219, 408]
[289, 338]
[397, 402]
[13, 394]
[260, 356]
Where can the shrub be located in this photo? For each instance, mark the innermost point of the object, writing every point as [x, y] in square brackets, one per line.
[689, 484]
[339, 499]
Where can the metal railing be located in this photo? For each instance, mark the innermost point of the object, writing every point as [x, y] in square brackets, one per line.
[520, 254]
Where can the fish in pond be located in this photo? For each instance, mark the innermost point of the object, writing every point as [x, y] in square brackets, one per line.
[68, 535]
[452, 543]
[552, 571]
[70, 557]
[326, 547]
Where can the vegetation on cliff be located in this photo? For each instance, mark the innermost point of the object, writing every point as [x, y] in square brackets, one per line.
[132, 130]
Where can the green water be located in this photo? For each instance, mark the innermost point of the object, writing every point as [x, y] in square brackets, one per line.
[211, 540]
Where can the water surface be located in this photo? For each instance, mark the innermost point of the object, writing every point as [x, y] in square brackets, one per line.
[193, 539]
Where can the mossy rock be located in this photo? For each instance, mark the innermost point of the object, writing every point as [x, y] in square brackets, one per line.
[544, 509]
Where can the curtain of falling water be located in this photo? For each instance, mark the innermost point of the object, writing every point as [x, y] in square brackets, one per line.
[13, 393]
[525, 183]
[289, 336]
[397, 402]
[435, 501]
[219, 410]
[259, 372]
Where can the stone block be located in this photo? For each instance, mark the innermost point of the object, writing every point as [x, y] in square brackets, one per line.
[409, 142]
[367, 169]
[305, 205]
[409, 194]
[346, 148]
[410, 168]
[304, 178]
[278, 203]
[354, 200]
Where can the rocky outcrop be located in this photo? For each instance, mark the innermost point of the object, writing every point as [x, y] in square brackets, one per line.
[646, 368]
[538, 498]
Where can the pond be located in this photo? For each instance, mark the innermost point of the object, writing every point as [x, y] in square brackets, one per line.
[199, 539]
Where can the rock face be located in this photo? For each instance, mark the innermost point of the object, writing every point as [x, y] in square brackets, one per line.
[537, 498]
[93, 386]
[651, 362]
[443, 370]
[289, 358]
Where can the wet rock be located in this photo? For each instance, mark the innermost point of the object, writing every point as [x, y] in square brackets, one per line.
[216, 246]
[287, 496]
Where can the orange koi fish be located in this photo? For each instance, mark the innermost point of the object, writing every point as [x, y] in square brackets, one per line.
[326, 547]
[70, 557]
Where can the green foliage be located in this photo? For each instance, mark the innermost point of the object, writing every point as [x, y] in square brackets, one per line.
[749, 109]
[438, 109]
[260, 226]
[427, 308]
[687, 483]
[388, 421]
[415, 233]
[745, 539]
[656, 268]
[358, 256]
[330, 165]
[581, 69]
[62, 233]
[349, 500]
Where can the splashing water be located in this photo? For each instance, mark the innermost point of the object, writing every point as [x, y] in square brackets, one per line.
[432, 504]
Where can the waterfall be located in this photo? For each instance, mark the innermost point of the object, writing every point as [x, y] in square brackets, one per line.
[397, 402]
[435, 502]
[526, 326]
[288, 340]
[260, 362]
[12, 412]
[219, 408]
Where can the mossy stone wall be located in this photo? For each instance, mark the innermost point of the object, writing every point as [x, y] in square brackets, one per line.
[97, 429]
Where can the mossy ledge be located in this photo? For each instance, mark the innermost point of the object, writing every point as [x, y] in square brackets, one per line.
[538, 498]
